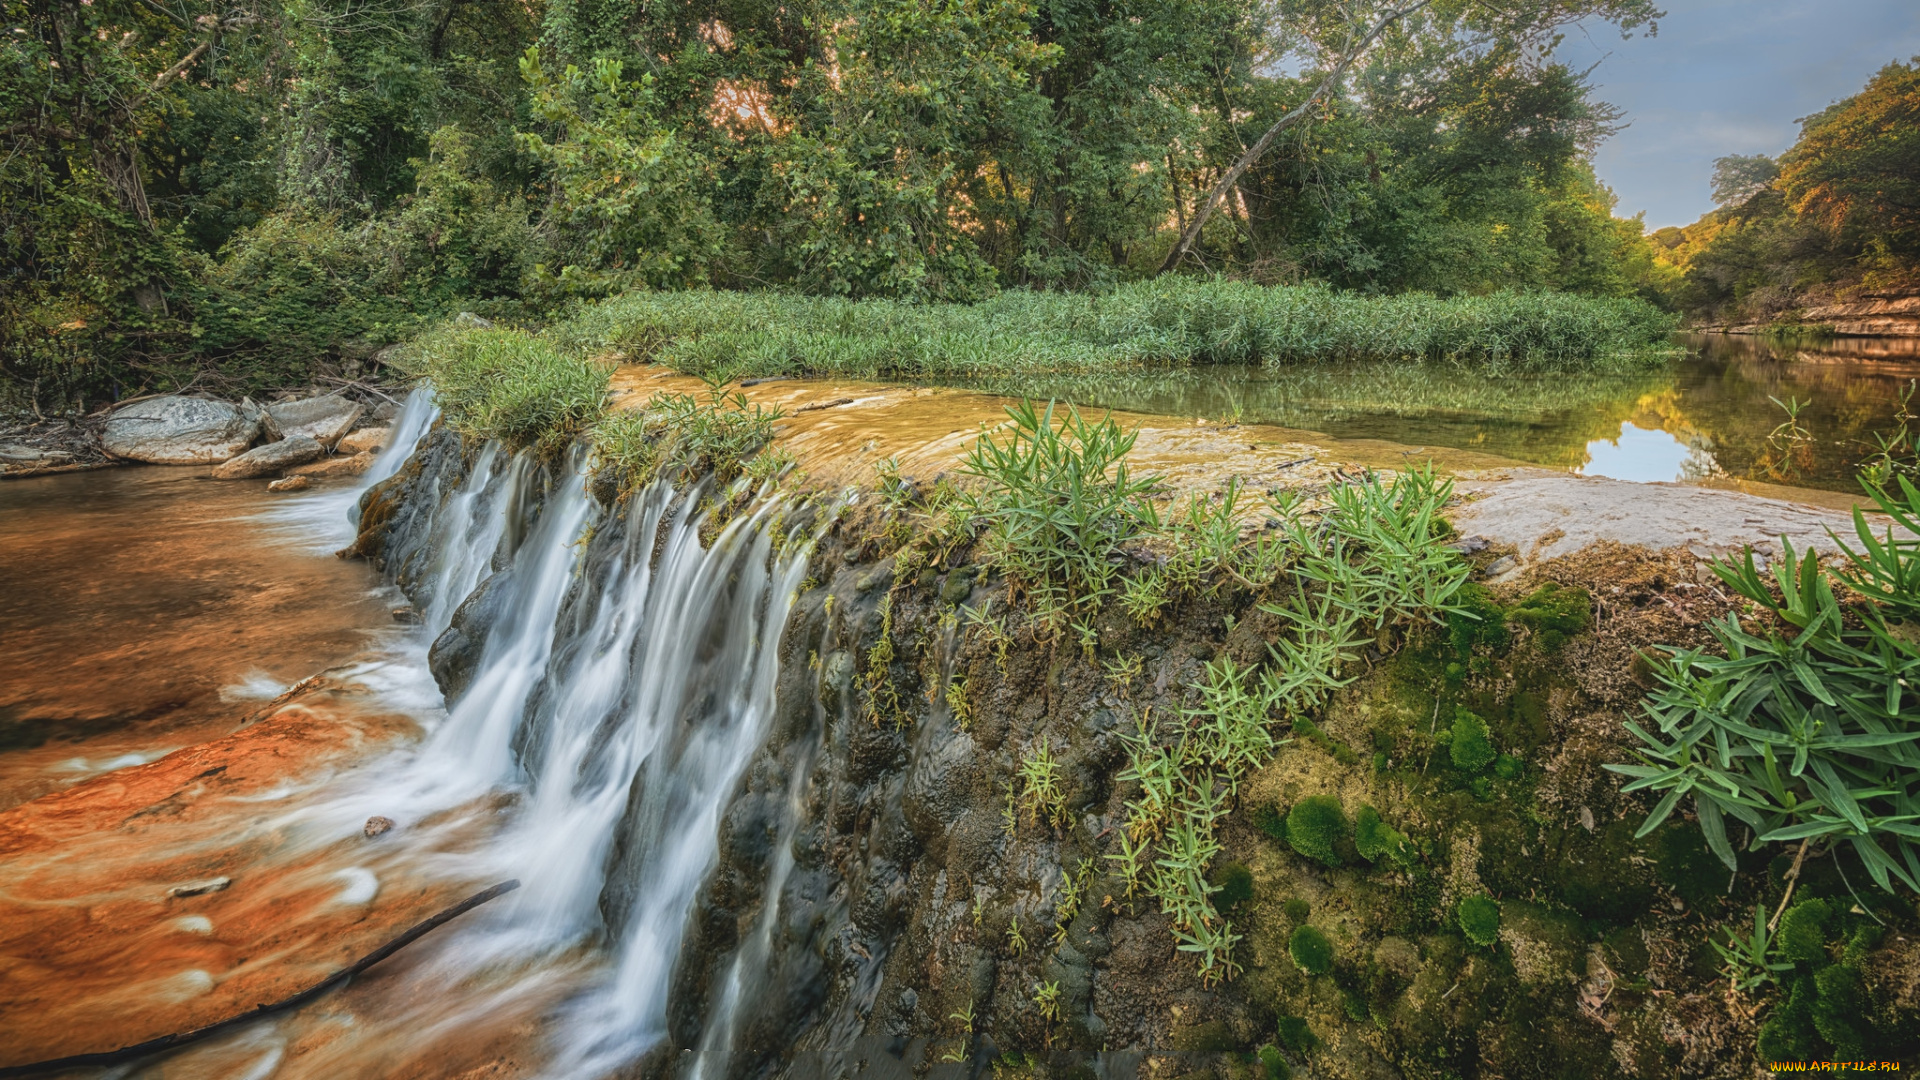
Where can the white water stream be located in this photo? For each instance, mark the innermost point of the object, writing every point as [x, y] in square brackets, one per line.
[620, 702]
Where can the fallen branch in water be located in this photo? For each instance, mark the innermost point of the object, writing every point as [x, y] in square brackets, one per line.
[168, 1042]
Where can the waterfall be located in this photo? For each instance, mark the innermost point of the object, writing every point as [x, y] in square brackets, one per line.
[417, 415]
[624, 681]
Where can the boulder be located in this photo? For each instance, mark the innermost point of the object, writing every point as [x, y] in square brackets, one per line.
[323, 419]
[271, 458]
[326, 468]
[290, 483]
[367, 438]
[178, 431]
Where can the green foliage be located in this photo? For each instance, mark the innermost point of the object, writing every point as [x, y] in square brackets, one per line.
[1471, 746]
[1807, 736]
[1040, 793]
[1232, 885]
[1316, 827]
[1827, 1013]
[1377, 840]
[1312, 952]
[723, 435]
[1057, 500]
[630, 205]
[1751, 960]
[510, 385]
[1479, 919]
[1555, 614]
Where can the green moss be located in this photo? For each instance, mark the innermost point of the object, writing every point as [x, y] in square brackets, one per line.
[1378, 840]
[1232, 885]
[1803, 932]
[1305, 728]
[1212, 1036]
[1295, 1035]
[1275, 1065]
[1555, 614]
[1296, 910]
[1316, 826]
[1788, 1034]
[1269, 820]
[1601, 875]
[1479, 918]
[1471, 746]
[1508, 767]
[1311, 951]
[1839, 1007]
[1476, 619]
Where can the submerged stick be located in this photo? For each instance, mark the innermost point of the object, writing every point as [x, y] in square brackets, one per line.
[168, 1042]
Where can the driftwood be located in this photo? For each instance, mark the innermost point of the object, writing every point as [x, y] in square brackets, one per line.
[168, 1042]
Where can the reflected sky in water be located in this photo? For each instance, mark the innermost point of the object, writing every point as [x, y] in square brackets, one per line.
[1647, 457]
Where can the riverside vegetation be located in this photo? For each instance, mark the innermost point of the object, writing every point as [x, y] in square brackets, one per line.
[1372, 802]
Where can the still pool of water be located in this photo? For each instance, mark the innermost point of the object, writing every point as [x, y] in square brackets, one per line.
[1708, 415]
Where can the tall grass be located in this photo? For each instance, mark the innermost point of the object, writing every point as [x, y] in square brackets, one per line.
[1148, 324]
[522, 389]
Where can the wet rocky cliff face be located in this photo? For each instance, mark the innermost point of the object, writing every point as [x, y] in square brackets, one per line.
[881, 900]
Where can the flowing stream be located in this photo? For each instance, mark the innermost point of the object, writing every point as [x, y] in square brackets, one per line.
[621, 678]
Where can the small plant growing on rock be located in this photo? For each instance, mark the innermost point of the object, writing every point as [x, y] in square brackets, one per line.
[1479, 918]
[1041, 796]
[1471, 747]
[1015, 941]
[1312, 952]
[1143, 597]
[1315, 827]
[1047, 997]
[965, 1016]
[958, 705]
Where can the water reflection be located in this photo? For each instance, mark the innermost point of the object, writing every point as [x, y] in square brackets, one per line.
[1707, 414]
[1648, 456]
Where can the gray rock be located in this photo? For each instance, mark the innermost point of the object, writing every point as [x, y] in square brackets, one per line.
[178, 431]
[323, 419]
[467, 320]
[271, 458]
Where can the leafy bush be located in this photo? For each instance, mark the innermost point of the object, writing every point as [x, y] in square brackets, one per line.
[1479, 918]
[1471, 747]
[1810, 736]
[510, 385]
[1316, 826]
[1311, 951]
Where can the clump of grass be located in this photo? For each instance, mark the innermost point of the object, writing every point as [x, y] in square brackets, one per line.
[510, 385]
[1040, 794]
[725, 435]
[1056, 500]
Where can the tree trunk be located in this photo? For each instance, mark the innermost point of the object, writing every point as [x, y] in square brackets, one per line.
[1205, 210]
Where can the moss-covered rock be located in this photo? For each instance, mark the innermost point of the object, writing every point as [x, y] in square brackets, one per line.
[1555, 614]
[1311, 950]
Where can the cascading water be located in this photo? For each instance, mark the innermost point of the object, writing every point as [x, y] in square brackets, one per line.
[624, 679]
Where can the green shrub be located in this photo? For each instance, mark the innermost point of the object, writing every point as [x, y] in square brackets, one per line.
[1479, 918]
[1376, 839]
[1316, 826]
[1471, 746]
[1310, 949]
[1555, 614]
[1232, 885]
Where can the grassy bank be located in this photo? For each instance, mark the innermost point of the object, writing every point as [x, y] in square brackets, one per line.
[1165, 323]
[524, 386]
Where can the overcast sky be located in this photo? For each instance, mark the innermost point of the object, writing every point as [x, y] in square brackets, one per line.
[1728, 77]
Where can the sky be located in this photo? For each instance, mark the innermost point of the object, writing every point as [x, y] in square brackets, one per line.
[1727, 77]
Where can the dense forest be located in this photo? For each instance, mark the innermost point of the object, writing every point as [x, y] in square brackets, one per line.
[243, 188]
[1836, 216]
